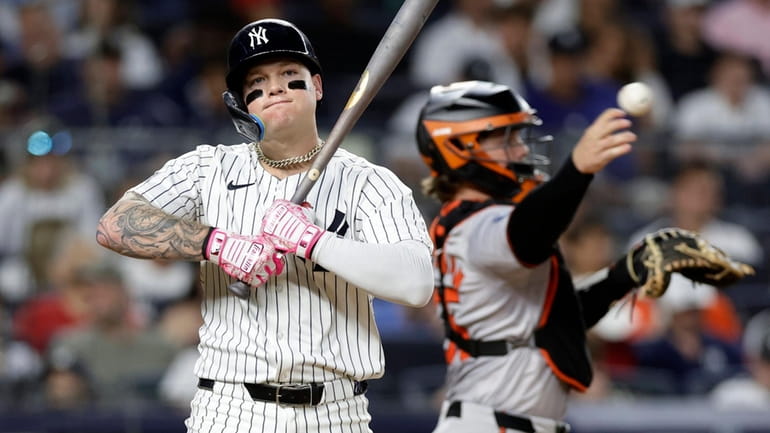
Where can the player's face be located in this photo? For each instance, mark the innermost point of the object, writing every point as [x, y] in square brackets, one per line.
[282, 92]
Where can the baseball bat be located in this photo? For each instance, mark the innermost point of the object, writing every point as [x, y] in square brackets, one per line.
[392, 47]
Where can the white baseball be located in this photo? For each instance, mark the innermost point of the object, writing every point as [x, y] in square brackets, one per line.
[635, 98]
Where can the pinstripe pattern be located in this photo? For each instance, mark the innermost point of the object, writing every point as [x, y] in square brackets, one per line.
[304, 325]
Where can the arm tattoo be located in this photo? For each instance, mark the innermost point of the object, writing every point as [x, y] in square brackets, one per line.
[135, 228]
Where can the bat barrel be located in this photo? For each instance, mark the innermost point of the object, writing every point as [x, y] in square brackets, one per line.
[391, 49]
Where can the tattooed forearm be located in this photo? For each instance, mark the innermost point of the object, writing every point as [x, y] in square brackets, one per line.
[135, 228]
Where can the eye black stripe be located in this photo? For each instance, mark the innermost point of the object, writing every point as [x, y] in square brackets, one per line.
[254, 94]
[298, 84]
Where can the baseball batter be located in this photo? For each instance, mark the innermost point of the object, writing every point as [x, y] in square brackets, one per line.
[296, 353]
[515, 326]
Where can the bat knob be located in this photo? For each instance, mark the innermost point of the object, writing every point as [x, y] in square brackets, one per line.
[240, 289]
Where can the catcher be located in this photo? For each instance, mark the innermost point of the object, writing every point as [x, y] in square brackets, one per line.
[515, 325]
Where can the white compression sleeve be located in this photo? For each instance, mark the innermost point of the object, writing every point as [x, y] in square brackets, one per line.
[400, 272]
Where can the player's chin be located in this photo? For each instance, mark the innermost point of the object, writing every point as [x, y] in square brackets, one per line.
[275, 118]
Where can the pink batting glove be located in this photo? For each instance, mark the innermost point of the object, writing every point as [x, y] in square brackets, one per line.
[290, 228]
[251, 259]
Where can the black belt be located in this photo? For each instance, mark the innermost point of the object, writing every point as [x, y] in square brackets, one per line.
[302, 394]
[505, 420]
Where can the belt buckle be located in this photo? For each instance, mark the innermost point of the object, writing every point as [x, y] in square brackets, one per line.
[510, 345]
[297, 387]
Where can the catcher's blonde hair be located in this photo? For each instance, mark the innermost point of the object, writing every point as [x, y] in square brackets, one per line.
[440, 187]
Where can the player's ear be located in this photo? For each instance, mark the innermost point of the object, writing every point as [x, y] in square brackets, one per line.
[318, 86]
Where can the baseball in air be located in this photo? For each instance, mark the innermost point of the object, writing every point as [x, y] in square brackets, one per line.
[635, 98]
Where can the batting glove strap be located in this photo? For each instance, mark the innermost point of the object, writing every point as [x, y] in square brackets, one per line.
[308, 240]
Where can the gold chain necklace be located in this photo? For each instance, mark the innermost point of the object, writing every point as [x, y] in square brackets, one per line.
[288, 162]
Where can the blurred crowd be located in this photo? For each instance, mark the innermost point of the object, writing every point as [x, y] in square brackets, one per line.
[118, 85]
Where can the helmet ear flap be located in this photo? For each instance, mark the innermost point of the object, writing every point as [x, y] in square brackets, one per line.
[247, 124]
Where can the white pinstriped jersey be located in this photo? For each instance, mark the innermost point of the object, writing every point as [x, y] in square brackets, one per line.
[494, 297]
[307, 324]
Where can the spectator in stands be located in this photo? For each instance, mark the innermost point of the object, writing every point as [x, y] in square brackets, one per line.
[122, 359]
[13, 103]
[203, 99]
[343, 36]
[65, 306]
[180, 323]
[622, 52]
[593, 15]
[727, 121]
[686, 359]
[695, 203]
[569, 99]
[156, 18]
[156, 284]
[13, 99]
[179, 383]
[522, 44]
[42, 71]
[107, 101]
[742, 26]
[20, 364]
[588, 246]
[65, 386]
[46, 194]
[696, 200]
[751, 391]
[100, 20]
[448, 44]
[683, 57]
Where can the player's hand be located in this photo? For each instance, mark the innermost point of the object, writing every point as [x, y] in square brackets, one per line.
[251, 259]
[290, 228]
[603, 141]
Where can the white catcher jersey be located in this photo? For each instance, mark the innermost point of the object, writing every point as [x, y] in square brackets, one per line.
[306, 324]
[491, 296]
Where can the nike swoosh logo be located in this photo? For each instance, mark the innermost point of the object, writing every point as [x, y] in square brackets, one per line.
[231, 186]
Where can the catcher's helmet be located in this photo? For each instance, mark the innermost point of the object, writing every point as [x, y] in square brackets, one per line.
[449, 130]
[263, 39]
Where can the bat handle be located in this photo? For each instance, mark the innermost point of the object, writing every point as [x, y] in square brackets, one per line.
[240, 289]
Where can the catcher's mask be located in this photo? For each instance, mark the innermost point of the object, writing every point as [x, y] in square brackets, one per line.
[455, 120]
[257, 42]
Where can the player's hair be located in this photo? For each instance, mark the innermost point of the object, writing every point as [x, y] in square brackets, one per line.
[440, 187]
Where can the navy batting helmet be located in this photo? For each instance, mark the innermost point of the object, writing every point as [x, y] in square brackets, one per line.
[454, 120]
[263, 39]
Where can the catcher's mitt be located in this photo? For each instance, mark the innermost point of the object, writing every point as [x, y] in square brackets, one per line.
[668, 250]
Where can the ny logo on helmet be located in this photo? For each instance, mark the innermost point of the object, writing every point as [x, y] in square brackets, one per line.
[258, 35]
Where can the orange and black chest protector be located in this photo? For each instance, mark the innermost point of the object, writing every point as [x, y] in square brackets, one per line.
[533, 230]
